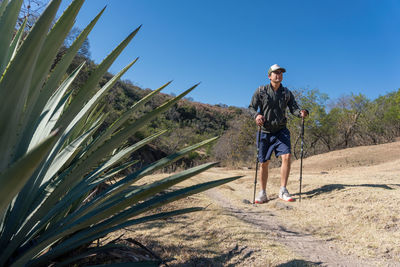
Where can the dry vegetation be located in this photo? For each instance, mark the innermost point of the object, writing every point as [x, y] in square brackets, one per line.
[349, 210]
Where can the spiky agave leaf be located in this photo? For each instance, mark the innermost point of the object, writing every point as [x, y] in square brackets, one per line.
[9, 16]
[15, 177]
[47, 206]
[12, 109]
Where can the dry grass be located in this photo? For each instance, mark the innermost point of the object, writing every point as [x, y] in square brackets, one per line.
[357, 209]
[209, 238]
[350, 201]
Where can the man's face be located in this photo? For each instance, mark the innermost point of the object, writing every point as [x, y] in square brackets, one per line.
[276, 76]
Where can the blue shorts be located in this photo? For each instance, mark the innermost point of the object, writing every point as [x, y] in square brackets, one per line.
[278, 142]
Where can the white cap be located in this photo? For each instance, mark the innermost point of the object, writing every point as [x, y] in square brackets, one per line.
[274, 68]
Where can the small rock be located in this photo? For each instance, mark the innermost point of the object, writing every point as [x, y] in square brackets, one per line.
[245, 201]
[280, 205]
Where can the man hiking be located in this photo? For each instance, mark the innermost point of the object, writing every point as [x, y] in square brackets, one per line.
[268, 106]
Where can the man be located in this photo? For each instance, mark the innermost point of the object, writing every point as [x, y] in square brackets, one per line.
[268, 106]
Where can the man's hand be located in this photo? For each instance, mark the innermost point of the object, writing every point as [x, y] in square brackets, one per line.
[303, 113]
[260, 120]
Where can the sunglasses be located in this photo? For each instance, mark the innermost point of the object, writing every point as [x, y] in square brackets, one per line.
[277, 72]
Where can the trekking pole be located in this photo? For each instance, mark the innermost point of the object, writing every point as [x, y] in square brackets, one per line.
[301, 154]
[255, 178]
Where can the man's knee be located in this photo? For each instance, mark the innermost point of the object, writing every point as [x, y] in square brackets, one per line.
[286, 157]
[264, 164]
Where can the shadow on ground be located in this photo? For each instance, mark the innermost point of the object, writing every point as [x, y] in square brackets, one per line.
[234, 256]
[299, 263]
[192, 255]
[337, 187]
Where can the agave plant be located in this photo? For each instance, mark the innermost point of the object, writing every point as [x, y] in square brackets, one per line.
[52, 154]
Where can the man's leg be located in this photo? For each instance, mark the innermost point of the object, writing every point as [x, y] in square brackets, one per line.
[285, 169]
[262, 196]
[263, 154]
[264, 175]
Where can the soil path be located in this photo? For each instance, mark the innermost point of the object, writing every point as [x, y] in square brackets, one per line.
[349, 216]
[303, 244]
[361, 166]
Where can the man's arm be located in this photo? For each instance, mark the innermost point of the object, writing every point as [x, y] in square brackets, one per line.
[253, 108]
[294, 107]
[254, 105]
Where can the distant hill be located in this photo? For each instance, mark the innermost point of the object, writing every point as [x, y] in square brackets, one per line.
[188, 121]
[350, 121]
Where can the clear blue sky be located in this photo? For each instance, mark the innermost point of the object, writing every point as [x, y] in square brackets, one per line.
[338, 47]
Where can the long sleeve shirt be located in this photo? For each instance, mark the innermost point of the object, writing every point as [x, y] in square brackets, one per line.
[272, 105]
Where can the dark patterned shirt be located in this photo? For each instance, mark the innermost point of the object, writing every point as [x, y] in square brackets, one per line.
[272, 105]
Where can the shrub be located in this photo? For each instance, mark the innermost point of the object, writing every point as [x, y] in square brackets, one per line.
[53, 153]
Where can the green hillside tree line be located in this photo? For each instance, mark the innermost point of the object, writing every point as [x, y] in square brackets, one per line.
[351, 120]
[348, 121]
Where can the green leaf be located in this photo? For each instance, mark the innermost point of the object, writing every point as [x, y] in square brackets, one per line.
[146, 191]
[96, 98]
[124, 183]
[47, 203]
[125, 152]
[117, 201]
[76, 240]
[65, 155]
[48, 53]
[60, 142]
[30, 191]
[38, 187]
[132, 128]
[51, 46]
[12, 109]
[7, 26]
[82, 224]
[71, 180]
[114, 171]
[15, 177]
[3, 6]
[50, 208]
[52, 105]
[93, 158]
[78, 117]
[123, 118]
[16, 41]
[57, 74]
[160, 200]
[88, 88]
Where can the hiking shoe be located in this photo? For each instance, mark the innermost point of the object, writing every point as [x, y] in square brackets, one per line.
[284, 195]
[262, 198]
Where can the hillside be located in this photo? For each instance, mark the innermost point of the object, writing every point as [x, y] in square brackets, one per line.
[188, 122]
[351, 121]
[348, 216]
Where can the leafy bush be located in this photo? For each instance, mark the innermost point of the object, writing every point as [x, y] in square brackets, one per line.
[53, 153]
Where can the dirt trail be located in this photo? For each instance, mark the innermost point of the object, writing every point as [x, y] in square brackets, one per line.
[349, 216]
[303, 244]
[372, 167]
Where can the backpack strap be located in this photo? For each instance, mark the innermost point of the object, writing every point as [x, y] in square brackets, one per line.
[287, 95]
[260, 88]
[286, 92]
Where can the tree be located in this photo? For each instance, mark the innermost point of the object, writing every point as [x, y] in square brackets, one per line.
[31, 10]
